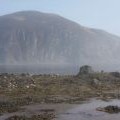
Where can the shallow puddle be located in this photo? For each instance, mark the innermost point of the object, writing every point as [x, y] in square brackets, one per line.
[85, 111]
[88, 111]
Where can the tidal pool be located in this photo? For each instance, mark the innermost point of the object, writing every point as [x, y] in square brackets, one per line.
[87, 111]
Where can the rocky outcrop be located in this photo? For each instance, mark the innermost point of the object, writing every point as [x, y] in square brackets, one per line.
[85, 70]
[115, 74]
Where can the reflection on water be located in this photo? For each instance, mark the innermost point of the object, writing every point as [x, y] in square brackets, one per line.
[88, 111]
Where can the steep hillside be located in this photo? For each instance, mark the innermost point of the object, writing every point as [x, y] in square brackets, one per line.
[31, 37]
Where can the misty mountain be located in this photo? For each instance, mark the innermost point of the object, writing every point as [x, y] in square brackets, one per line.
[31, 37]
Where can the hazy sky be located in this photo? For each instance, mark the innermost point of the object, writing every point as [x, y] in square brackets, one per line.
[103, 14]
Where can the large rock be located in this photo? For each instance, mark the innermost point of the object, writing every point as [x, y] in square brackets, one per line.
[86, 70]
[109, 109]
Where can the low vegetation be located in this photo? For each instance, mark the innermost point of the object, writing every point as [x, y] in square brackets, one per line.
[18, 90]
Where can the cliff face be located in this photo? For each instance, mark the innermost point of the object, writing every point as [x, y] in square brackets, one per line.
[31, 37]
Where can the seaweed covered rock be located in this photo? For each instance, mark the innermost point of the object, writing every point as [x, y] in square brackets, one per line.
[45, 116]
[109, 109]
